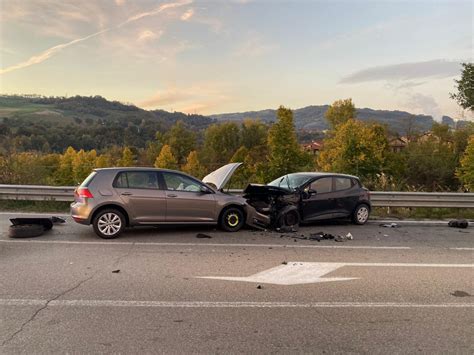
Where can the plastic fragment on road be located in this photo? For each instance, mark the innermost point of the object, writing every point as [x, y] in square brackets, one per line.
[57, 220]
[458, 293]
[458, 223]
[389, 225]
[115, 271]
[203, 236]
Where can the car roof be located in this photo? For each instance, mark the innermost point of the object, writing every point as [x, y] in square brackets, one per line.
[320, 174]
[137, 168]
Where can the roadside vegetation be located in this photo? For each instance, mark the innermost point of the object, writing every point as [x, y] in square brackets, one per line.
[439, 160]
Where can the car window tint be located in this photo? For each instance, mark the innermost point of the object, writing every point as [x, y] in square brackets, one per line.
[142, 180]
[177, 182]
[322, 185]
[343, 183]
[121, 181]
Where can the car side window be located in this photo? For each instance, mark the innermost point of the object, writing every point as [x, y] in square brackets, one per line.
[177, 182]
[343, 183]
[137, 180]
[322, 185]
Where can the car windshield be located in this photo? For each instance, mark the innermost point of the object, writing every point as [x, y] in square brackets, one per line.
[290, 181]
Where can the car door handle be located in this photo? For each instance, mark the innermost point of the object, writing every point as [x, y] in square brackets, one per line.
[172, 195]
[126, 194]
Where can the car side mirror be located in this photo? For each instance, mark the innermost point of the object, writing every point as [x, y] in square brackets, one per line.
[312, 192]
[205, 190]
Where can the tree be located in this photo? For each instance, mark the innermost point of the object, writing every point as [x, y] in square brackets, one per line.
[64, 175]
[181, 140]
[254, 133]
[127, 157]
[166, 159]
[465, 87]
[83, 164]
[193, 167]
[285, 154]
[465, 172]
[340, 111]
[355, 148]
[220, 143]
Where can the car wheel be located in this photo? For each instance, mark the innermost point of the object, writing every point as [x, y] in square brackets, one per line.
[108, 224]
[361, 214]
[288, 217]
[25, 231]
[232, 219]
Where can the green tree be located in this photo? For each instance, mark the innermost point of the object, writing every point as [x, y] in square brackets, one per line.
[465, 87]
[285, 154]
[355, 148]
[193, 167]
[340, 111]
[127, 158]
[181, 140]
[83, 164]
[166, 159]
[220, 143]
[254, 133]
[465, 171]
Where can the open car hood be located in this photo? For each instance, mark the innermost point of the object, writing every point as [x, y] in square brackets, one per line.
[218, 178]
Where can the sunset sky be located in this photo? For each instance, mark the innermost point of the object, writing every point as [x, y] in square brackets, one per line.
[227, 56]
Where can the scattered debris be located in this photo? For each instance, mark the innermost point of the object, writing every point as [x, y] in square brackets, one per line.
[285, 263]
[320, 236]
[460, 294]
[458, 223]
[389, 225]
[260, 287]
[202, 235]
[115, 271]
[349, 236]
[178, 320]
[57, 220]
[287, 229]
[385, 235]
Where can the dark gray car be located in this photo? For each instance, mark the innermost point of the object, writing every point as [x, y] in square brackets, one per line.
[113, 198]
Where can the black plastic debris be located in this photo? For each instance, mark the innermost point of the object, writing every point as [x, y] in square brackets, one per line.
[260, 287]
[115, 271]
[460, 294]
[458, 223]
[57, 220]
[285, 263]
[389, 225]
[203, 236]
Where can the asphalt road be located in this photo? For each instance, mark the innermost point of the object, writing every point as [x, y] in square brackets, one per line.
[400, 290]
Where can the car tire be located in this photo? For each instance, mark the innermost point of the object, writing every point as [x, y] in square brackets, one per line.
[288, 217]
[25, 231]
[232, 219]
[361, 214]
[109, 223]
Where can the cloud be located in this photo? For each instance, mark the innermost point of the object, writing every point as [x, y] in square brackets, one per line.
[405, 71]
[193, 99]
[119, 2]
[187, 15]
[424, 104]
[48, 53]
[148, 35]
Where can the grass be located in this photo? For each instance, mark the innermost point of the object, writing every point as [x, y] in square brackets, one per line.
[423, 213]
[34, 206]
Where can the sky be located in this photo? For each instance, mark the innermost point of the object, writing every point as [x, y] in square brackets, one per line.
[239, 55]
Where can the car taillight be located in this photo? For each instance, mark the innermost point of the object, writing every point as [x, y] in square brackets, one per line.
[83, 192]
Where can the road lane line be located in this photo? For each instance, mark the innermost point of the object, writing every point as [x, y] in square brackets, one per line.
[201, 304]
[205, 244]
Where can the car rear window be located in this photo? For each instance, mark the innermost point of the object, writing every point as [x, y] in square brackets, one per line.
[343, 183]
[88, 179]
[137, 180]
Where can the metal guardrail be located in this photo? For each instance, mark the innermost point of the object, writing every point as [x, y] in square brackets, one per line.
[378, 198]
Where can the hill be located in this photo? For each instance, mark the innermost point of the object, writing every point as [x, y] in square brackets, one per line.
[312, 118]
[54, 123]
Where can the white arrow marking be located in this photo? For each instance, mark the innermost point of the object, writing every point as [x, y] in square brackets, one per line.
[295, 273]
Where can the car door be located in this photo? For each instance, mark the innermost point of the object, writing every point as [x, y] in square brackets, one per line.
[142, 196]
[346, 195]
[186, 201]
[319, 205]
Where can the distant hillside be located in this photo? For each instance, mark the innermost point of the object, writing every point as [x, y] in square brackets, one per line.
[54, 123]
[312, 118]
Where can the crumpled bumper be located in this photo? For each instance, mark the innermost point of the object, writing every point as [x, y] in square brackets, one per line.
[256, 219]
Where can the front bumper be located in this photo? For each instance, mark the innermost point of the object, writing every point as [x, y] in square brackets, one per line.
[256, 219]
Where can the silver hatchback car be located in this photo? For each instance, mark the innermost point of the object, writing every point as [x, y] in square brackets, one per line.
[114, 198]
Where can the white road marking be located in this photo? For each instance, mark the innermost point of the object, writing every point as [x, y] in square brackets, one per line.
[238, 245]
[297, 273]
[201, 304]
